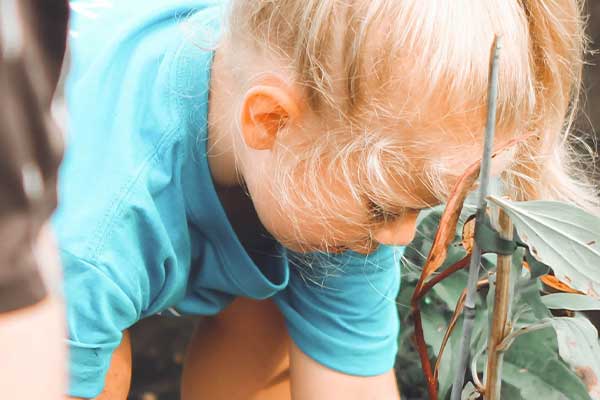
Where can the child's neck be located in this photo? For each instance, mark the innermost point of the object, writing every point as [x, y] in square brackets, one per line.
[221, 130]
[222, 160]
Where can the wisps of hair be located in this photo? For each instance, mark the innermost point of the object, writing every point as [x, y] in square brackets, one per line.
[409, 68]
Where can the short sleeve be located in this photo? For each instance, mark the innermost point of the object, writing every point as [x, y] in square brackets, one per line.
[341, 310]
[122, 224]
[98, 310]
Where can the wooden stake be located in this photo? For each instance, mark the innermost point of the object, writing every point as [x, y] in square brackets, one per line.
[502, 302]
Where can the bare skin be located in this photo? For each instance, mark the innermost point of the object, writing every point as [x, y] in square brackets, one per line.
[240, 354]
[246, 154]
[241, 148]
[33, 357]
[248, 157]
[311, 380]
[214, 368]
[245, 353]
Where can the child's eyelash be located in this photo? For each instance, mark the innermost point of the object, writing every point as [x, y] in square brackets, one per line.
[378, 214]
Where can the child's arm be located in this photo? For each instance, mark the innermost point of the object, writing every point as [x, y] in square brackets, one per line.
[311, 380]
[118, 378]
[243, 353]
[341, 313]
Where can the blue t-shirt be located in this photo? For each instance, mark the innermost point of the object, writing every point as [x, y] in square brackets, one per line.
[140, 226]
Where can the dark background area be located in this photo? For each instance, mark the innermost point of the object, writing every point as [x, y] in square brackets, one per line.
[592, 74]
[158, 349]
[159, 342]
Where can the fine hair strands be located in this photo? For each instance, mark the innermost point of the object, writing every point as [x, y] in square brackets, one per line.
[391, 77]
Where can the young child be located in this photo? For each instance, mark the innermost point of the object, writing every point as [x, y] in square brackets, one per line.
[282, 149]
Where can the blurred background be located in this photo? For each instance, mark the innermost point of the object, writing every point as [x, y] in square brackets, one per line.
[159, 343]
[592, 76]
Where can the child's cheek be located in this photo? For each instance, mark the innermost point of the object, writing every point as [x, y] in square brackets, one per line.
[399, 232]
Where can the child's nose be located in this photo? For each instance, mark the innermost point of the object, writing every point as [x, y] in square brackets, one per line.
[398, 232]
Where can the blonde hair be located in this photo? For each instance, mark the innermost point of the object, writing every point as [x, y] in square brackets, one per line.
[419, 66]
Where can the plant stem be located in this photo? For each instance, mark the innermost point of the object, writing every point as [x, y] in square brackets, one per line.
[427, 286]
[510, 338]
[423, 355]
[500, 328]
[469, 308]
[457, 311]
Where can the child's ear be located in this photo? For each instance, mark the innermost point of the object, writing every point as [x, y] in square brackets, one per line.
[266, 108]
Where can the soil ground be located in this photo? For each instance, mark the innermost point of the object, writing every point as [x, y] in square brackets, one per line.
[159, 343]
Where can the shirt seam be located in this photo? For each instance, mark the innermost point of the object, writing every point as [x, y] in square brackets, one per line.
[96, 266]
[114, 210]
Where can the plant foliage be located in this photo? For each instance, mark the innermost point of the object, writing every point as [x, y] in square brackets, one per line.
[553, 357]
[562, 236]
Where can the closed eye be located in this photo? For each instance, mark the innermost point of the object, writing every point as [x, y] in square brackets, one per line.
[378, 215]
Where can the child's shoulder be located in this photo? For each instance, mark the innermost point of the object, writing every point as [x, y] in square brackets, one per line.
[138, 85]
[111, 17]
[118, 45]
[137, 97]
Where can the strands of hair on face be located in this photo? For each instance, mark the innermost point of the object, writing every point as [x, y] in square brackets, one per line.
[390, 79]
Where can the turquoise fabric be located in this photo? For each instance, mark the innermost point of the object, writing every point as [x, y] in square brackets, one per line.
[140, 226]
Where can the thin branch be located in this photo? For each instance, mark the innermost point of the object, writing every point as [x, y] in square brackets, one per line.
[465, 343]
[427, 286]
[500, 322]
[430, 377]
[480, 386]
[457, 312]
[509, 339]
[422, 350]
[419, 334]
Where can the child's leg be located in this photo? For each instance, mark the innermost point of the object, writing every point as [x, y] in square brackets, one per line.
[240, 354]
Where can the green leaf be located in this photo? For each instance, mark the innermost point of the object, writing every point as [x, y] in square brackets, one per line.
[450, 289]
[578, 346]
[434, 328]
[427, 225]
[537, 268]
[532, 385]
[528, 296]
[571, 301]
[517, 274]
[532, 366]
[435, 314]
[510, 392]
[479, 343]
[561, 236]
